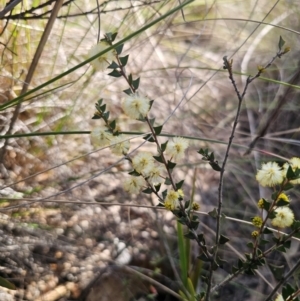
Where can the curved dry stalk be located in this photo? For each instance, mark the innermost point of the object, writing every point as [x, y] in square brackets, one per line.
[31, 71]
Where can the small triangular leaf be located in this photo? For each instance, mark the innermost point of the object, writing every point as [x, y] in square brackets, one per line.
[223, 240]
[124, 60]
[115, 73]
[119, 49]
[281, 42]
[136, 83]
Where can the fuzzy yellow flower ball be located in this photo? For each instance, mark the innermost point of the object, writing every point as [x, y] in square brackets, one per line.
[172, 200]
[284, 217]
[270, 174]
[257, 221]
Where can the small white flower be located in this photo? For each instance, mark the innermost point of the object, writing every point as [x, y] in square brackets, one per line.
[284, 217]
[155, 174]
[176, 148]
[143, 162]
[270, 174]
[103, 61]
[134, 184]
[121, 145]
[295, 163]
[136, 106]
[100, 136]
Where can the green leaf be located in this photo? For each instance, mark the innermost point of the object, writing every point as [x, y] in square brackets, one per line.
[124, 60]
[134, 173]
[288, 186]
[281, 42]
[151, 121]
[215, 166]
[115, 73]
[287, 244]
[194, 225]
[157, 187]
[157, 129]
[171, 165]
[163, 146]
[128, 91]
[168, 181]
[287, 291]
[113, 65]
[99, 102]
[112, 125]
[296, 225]
[250, 245]
[281, 249]
[164, 193]
[276, 270]
[240, 263]
[151, 103]
[149, 138]
[130, 79]
[102, 108]
[267, 231]
[263, 242]
[250, 272]
[190, 235]
[223, 240]
[179, 184]
[147, 190]
[113, 36]
[105, 116]
[158, 159]
[7, 284]
[96, 117]
[290, 173]
[281, 203]
[213, 213]
[136, 83]
[119, 49]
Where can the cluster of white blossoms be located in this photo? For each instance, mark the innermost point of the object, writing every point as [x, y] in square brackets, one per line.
[103, 61]
[134, 184]
[101, 137]
[271, 174]
[176, 148]
[284, 217]
[136, 106]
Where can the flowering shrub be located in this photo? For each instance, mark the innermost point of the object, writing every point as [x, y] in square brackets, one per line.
[154, 173]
